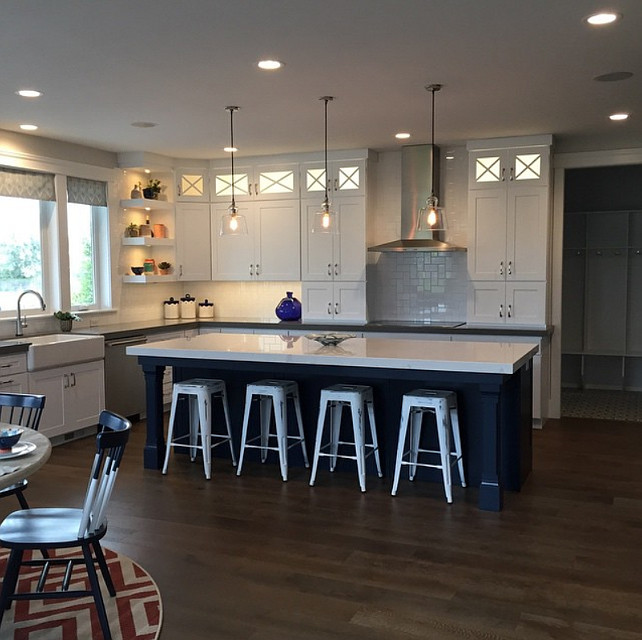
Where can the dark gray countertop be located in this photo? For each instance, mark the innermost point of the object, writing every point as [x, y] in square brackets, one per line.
[122, 330]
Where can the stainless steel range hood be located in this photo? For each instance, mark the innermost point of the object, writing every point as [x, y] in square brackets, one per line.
[416, 177]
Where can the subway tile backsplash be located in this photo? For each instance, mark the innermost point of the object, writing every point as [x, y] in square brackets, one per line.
[418, 286]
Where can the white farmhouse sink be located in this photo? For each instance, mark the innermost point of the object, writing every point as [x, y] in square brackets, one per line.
[60, 349]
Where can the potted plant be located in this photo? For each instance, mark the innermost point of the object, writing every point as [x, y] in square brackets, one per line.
[164, 267]
[66, 319]
[153, 189]
[132, 230]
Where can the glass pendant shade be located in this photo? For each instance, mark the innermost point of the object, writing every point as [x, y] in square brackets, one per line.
[325, 220]
[232, 223]
[431, 217]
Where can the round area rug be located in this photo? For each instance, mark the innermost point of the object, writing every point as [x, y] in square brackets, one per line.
[134, 614]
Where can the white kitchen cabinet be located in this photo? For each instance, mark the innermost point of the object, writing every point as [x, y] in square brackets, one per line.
[193, 242]
[337, 256]
[270, 251]
[515, 303]
[13, 376]
[517, 165]
[334, 301]
[256, 181]
[345, 178]
[192, 184]
[75, 396]
[509, 233]
[508, 222]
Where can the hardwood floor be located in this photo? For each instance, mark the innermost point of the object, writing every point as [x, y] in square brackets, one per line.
[253, 558]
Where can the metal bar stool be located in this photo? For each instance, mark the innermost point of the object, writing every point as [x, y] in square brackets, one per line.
[200, 393]
[359, 399]
[273, 394]
[443, 404]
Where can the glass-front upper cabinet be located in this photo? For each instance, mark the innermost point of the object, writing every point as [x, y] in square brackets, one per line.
[265, 182]
[192, 184]
[494, 167]
[346, 178]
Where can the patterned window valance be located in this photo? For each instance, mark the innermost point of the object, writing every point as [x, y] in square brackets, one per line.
[15, 183]
[82, 191]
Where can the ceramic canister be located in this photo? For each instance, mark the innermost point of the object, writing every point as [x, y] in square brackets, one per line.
[206, 309]
[171, 309]
[188, 306]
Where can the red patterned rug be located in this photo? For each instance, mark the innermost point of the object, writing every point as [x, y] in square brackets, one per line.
[134, 614]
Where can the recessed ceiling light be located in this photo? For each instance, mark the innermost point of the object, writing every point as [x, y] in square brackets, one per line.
[618, 116]
[402, 136]
[29, 93]
[270, 65]
[144, 125]
[230, 149]
[603, 17]
[615, 76]
[28, 127]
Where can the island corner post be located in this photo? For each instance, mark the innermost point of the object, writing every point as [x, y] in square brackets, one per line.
[495, 410]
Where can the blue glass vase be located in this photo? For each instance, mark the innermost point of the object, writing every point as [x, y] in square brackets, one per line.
[289, 308]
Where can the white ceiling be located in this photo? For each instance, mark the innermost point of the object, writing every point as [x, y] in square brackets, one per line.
[508, 67]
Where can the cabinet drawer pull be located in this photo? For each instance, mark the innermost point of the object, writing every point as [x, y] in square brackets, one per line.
[501, 267]
[510, 175]
[503, 174]
[73, 379]
[251, 270]
[329, 308]
[337, 310]
[65, 383]
[510, 268]
[329, 269]
[8, 366]
[510, 310]
[6, 382]
[501, 310]
[257, 269]
[336, 269]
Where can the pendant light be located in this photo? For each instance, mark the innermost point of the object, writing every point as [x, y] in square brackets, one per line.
[432, 217]
[232, 224]
[325, 220]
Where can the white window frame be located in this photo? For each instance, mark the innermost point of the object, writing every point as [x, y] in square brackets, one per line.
[54, 238]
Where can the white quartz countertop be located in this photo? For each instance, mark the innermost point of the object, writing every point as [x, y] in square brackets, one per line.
[390, 353]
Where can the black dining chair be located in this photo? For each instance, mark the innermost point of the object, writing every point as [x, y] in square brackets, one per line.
[21, 410]
[50, 529]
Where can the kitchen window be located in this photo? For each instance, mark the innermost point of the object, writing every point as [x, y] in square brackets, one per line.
[54, 239]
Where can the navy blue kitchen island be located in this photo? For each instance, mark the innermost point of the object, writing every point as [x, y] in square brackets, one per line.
[493, 382]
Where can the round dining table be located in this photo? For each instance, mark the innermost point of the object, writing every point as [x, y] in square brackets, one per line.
[31, 452]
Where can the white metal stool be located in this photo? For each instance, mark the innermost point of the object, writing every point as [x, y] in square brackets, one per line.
[358, 398]
[443, 404]
[200, 393]
[273, 394]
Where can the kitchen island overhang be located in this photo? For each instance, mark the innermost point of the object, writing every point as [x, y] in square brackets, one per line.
[493, 382]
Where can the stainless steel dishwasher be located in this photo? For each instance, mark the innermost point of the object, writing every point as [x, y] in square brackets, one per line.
[124, 380]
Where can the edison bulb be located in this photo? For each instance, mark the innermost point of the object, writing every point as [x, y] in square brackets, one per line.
[432, 217]
[325, 220]
[234, 224]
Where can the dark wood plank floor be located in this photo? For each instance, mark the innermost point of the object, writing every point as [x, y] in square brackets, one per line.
[253, 558]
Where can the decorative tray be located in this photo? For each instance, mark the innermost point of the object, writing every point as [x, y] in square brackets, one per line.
[330, 339]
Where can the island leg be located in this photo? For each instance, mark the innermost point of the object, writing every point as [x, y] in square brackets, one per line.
[154, 451]
[491, 490]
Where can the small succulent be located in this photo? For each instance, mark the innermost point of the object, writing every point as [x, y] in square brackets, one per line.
[67, 315]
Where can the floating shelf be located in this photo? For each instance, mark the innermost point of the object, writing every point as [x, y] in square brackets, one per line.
[147, 204]
[148, 241]
[148, 279]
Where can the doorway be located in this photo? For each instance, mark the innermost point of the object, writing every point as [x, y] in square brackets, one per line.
[601, 301]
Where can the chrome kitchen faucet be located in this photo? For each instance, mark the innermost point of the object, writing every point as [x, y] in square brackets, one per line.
[22, 322]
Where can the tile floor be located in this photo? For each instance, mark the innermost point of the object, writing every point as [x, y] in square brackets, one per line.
[602, 404]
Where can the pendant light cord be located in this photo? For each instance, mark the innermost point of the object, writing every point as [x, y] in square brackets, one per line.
[326, 99]
[232, 110]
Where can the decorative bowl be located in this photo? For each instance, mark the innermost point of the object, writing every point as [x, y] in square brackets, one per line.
[9, 438]
[330, 339]
[138, 271]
